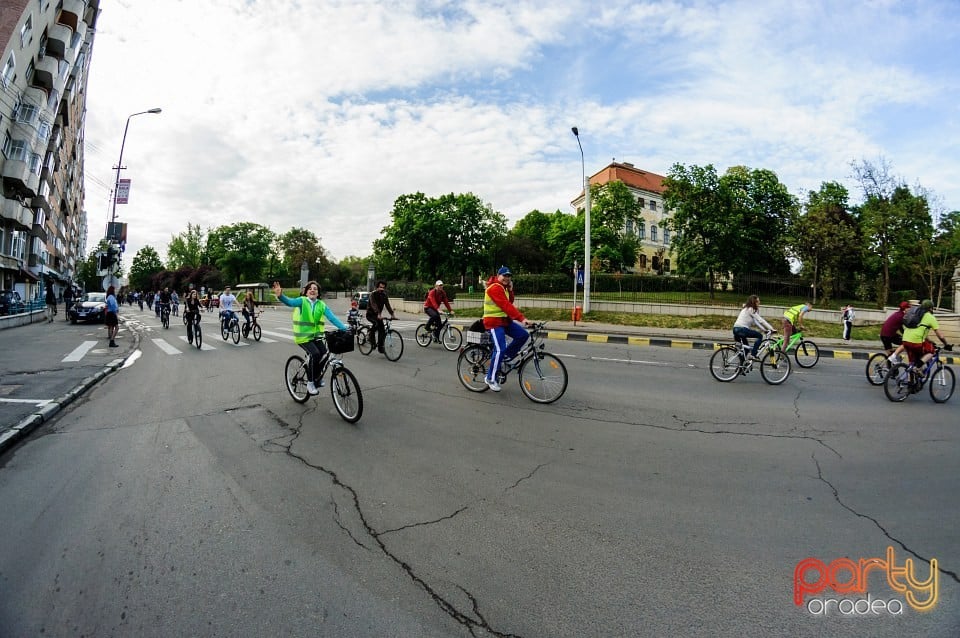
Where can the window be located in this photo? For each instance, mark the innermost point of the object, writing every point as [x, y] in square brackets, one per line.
[18, 244]
[3, 241]
[666, 235]
[643, 261]
[653, 233]
[629, 230]
[656, 263]
[26, 113]
[641, 230]
[8, 70]
[26, 31]
[14, 149]
[39, 217]
[641, 202]
[666, 265]
[653, 205]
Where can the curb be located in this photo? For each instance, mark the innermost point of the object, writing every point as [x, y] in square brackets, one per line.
[28, 424]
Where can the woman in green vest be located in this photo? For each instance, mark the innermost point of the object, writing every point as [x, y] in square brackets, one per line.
[309, 313]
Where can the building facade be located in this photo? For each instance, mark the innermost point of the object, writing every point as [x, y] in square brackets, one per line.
[654, 255]
[43, 76]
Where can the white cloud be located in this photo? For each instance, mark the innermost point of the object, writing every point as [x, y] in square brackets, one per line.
[321, 114]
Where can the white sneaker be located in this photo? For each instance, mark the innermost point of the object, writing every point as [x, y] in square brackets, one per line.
[493, 385]
[312, 389]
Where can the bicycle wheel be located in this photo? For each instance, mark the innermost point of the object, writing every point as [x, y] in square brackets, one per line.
[941, 384]
[244, 330]
[295, 374]
[452, 338]
[725, 364]
[877, 368]
[424, 336]
[897, 384]
[235, 330]
[543, 378]
[257, 331]
[224, 330]
[364, 340]
[346, 394]
[392, 345]
[472, 367]
[807, 354]
[775, 367]
[165, 320]
[185, 319]
[197, 335]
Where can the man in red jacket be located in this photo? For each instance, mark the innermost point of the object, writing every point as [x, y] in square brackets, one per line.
[431, 306]
[502, 318]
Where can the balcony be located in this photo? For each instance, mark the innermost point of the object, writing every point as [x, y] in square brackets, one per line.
[46, 71]
[39, 230]
[26, 131]
[59, 38]
[72, 13]
[49, 166]
[15, 211]
[42, 197]
[18, 176]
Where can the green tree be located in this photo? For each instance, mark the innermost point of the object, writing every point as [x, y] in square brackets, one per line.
[87, 274]
[299, 245]
[525, 246]
[240, 250]
[146, 264]
[826, 238]
[761, 209]
[612, 207]
[565, 239]
[473, 227]
[187, 248]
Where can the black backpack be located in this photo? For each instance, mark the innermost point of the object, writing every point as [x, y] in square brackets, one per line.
[912, 317]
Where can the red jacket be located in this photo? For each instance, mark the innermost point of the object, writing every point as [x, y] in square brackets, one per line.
[436, 297]
[504, 299]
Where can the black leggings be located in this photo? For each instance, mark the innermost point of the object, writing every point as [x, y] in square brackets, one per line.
[317, 349]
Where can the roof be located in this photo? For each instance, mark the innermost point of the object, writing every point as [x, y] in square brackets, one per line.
[631, 176]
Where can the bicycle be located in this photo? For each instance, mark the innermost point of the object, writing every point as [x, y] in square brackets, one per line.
[905, 379]
[165, 315]
[253, 326]
[230, 327]
[731, 361]
[344, 389]
[392, 341]
[543, 377]
[878, 367]
[194, 333]
[805, 352]
[450, 336]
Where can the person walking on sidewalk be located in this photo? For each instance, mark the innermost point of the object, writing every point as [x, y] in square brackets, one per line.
[502, 318]
[51, 300]
[67, 300]
[110, 318]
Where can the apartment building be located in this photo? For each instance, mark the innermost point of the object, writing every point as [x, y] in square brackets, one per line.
[43, 74]
[654, 256]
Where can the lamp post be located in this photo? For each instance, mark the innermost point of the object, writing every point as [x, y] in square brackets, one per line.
[116, 186]
[586, 223]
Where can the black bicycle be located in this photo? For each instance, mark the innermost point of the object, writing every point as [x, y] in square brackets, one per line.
[906, 379]
[392, 341]
[450, 336]
[165, 315]
[252, 327]
[194, 332]
[344, 389]
[543, 377]
[230, 328]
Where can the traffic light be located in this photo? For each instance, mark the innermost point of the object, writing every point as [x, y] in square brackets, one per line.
[103, 261]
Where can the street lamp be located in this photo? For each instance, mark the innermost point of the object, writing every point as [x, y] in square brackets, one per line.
[116, 186]
[586, 223]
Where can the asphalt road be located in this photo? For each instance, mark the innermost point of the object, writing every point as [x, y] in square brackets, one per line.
[188, 495]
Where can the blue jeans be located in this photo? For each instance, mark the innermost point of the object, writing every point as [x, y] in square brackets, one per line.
[743, 335]
[502, 352]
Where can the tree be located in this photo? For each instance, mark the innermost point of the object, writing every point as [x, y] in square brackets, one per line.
[761, 210]
[299, 245]
[87, 272]
[525, 246]
[565, 240]
[473, 228]
[187, 248]
[613, 205]
[826, 238]
[241, 250]
[146, 264]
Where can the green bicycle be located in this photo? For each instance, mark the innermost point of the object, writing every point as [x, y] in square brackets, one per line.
[805, 352]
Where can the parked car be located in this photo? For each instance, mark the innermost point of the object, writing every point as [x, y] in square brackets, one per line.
[91, 307]
[362, 299]
[10, 302]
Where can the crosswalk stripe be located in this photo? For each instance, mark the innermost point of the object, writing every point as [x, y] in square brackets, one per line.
[278, 335]
[203, 346]
[166, 347]
[79, 352]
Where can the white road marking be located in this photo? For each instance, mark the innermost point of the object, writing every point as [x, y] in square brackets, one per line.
[80, 351]
[166, 347]
[37, 402]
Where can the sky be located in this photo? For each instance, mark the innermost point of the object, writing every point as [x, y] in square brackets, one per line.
[319, 114]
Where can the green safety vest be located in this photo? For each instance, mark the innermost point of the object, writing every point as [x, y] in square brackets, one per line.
[307, 321]
[792, 313]
[490, 308]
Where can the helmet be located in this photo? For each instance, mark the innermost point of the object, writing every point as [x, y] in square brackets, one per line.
[927, 304]
[904, 305]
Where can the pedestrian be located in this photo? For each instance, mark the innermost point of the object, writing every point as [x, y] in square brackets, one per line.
[846, 317]
[110, 319]
[67, 300]
[51, 300]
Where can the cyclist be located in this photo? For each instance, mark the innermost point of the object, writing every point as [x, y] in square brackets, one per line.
[353, 315]
[249, 309]
[892, 328]
[915, 342]
[163, 301]
[192, 307]
[793, 318]
[375, 306]
[743, 327]
[175, 303]
[502, 318]
[309, 313]
[431, 306]
[226, 306]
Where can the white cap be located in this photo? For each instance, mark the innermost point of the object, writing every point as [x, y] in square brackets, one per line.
[439, 283]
